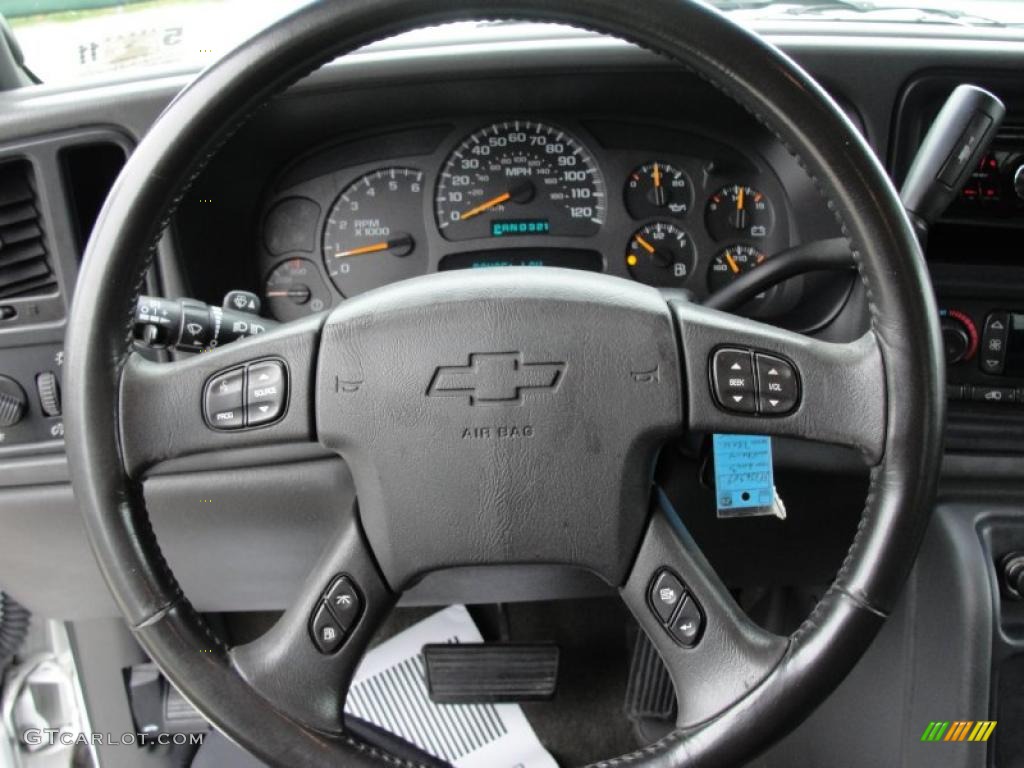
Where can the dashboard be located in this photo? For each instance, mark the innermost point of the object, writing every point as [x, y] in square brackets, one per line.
[666, 207]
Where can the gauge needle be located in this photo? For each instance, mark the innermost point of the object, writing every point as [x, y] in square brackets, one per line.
[486, 206]
[659, 191]
[398, 243]
[739, 200]
[732, 263]
[644, 244]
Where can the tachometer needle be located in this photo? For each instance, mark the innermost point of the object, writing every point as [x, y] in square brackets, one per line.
[732, 263]
[401, 245]
[485, 206]
[644, 244]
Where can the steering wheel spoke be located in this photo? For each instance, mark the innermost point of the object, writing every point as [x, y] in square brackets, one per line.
[714, 653]
[254, 392]
[304, 663]
[747, 377]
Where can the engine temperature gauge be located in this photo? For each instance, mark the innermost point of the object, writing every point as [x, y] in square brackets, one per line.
[661, 254]
[733, 262]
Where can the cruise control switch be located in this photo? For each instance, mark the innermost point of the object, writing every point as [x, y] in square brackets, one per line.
[191, 325]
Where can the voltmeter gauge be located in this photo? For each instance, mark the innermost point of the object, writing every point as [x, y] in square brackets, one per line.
[661, 254]
[657, 189]
[294, 288]
[739, 211]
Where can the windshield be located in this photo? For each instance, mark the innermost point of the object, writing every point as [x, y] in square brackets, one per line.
[67, 40]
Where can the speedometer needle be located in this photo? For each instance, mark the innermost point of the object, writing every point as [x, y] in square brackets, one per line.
[732, 263]
[520, 193]
[401, 245]
[485, 206]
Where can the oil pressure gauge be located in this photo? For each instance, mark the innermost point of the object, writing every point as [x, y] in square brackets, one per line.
[657, 189]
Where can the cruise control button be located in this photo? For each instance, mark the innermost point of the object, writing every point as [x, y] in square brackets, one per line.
[344, 602]
[687, 623]
[223, 404]
[777, 387]
[327, 633]
[733, 377]
[267, 392]
[665, 595]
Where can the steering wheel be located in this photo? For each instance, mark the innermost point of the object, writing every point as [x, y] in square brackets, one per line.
[507, 417]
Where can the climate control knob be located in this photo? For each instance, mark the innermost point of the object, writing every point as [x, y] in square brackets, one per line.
[12, 402]
[959, 336]
[1018, 181]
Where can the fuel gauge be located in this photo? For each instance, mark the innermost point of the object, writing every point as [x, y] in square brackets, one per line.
[661, 254]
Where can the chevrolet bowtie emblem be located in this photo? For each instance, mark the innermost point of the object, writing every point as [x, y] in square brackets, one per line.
[495, 377]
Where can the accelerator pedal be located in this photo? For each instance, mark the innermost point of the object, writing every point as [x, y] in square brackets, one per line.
[488, 673]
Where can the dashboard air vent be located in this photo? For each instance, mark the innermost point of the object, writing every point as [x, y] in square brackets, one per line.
[1012, 129]
[24, 265]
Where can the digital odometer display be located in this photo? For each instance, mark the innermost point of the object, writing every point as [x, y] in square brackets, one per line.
[567, 258]
[512, 175]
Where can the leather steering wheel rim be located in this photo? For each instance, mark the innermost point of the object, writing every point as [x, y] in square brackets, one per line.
[754, 73]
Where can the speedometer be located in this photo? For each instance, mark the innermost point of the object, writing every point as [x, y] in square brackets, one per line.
[519, 178]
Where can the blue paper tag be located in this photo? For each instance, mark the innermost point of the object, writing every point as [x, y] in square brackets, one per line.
[744, 481]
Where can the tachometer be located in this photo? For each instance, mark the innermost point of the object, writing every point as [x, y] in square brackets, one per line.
[519, 178]
[374, 233]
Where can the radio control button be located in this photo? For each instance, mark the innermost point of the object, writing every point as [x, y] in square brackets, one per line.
[733, 375]
[777, 387]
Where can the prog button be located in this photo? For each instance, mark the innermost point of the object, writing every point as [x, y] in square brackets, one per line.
[224, 405]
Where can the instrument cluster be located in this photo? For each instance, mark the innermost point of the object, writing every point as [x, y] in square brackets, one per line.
[652, 204]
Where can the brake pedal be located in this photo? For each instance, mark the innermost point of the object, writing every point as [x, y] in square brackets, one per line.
[650, 694]
[487, 673]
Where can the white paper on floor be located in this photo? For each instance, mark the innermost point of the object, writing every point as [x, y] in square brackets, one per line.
[390, 690]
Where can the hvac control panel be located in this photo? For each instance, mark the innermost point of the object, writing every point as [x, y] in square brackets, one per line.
[984, 349]
[31, 410]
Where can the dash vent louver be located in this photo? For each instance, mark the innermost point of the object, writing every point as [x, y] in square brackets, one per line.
[24, 263]
[1012, 129]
